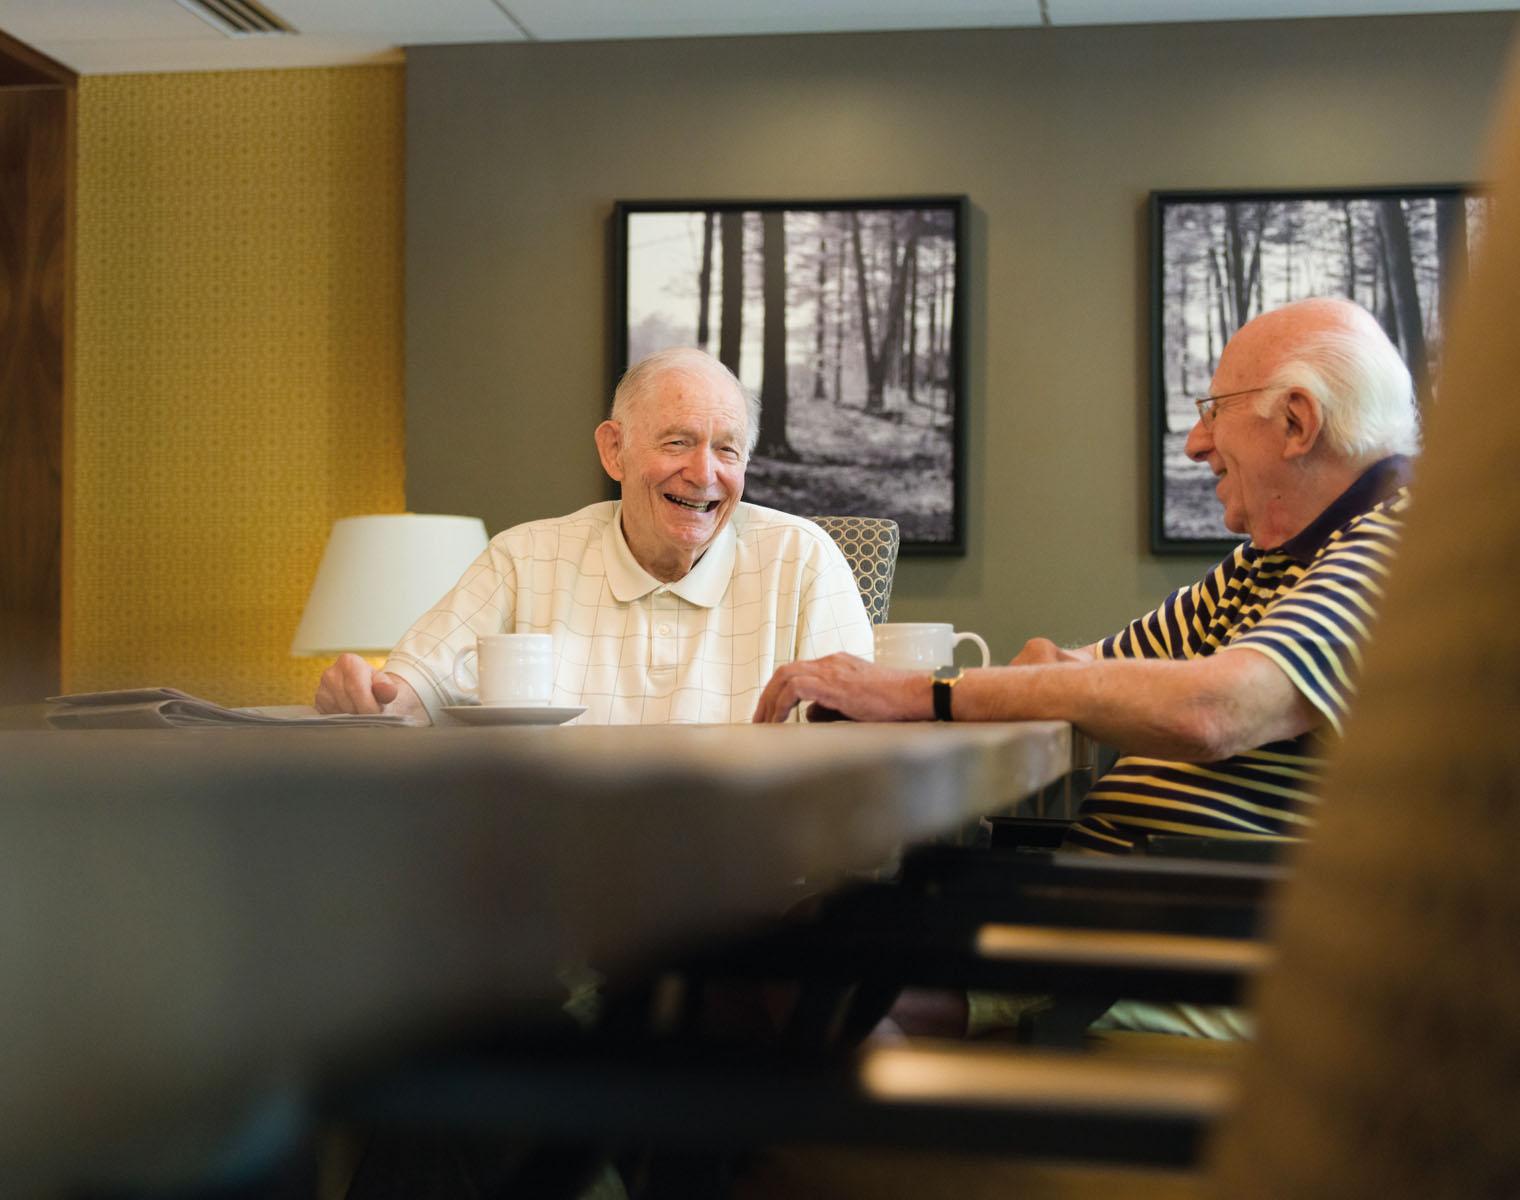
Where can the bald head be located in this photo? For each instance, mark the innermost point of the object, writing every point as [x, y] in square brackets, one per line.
[1316, 313]
[1335, 351]
[640, 380]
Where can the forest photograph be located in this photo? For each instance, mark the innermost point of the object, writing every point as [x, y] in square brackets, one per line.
[844, 320]
[1219, 260]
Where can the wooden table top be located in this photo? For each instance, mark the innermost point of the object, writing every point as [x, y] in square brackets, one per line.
[190, 913]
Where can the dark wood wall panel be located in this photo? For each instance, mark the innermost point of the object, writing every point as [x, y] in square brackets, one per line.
[34, 290]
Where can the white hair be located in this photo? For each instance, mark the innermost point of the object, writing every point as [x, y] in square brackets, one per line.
[1364, 390]
[638, 380]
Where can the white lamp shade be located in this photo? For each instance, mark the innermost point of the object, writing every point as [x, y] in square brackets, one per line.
[379, 574]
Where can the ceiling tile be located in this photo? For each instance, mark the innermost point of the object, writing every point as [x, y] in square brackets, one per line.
[400, 21]
[555, 20]
[1132, 12]
[158, 35]
[39, 21]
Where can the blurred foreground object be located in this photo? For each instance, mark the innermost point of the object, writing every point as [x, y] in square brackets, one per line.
[1388, 1061]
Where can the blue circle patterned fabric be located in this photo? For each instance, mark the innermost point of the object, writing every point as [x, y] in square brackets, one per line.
[870, 547]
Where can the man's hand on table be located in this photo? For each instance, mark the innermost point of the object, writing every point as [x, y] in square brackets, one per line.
[351, 685]
[851, 687]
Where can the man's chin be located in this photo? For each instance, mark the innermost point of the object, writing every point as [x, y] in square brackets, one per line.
[1233, 519]
[694, 536]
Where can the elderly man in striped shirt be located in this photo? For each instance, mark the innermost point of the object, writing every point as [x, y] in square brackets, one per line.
[671, 605]
[1307, 430]
[1221, 698]
[1222, 694]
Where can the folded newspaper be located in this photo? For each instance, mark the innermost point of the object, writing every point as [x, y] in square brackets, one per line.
[169, 708]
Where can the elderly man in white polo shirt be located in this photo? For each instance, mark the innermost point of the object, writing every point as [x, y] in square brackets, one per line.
[674, 604]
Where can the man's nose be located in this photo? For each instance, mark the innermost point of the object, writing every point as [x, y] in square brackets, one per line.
[1199, 441]
[701, 466]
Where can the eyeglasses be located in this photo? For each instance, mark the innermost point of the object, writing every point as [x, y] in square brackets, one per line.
[1208, 404]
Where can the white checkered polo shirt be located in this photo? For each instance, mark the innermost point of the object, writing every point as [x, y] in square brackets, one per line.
[770, 589]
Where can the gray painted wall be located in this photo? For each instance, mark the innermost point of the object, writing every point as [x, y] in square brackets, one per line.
[516, 154]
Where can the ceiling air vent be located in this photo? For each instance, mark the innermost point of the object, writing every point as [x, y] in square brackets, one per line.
[238, 18]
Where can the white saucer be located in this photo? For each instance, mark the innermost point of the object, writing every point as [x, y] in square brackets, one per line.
[514, 714]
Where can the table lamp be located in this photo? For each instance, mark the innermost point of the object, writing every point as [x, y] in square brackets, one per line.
[378, 575]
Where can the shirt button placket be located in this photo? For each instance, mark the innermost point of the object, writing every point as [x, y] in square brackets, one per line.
[662, 646]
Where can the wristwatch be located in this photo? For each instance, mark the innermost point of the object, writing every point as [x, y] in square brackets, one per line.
[945, 678]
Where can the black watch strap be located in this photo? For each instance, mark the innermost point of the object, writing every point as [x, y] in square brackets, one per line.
[945, 680]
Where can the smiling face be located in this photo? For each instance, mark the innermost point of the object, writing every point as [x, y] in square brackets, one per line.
[1239, 444]
[679, 453]
[1272, 473]
[1247, 443]
[1275, 469]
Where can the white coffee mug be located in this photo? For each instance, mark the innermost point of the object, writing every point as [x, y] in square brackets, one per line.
[927, 644]
[510, 670]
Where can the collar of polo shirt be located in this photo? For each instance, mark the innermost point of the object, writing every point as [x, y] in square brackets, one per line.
[703, 585]
[1375, 484]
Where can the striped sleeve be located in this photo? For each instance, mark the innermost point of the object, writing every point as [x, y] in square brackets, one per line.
[1316, 630]
[1177, 628]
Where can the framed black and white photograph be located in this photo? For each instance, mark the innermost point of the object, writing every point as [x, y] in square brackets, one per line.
[844, 317]
[1219, 259]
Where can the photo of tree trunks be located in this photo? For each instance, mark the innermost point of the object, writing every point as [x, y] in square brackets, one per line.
[844, 320]
[1221, 260]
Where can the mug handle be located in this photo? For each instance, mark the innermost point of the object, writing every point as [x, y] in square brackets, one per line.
[471, 686]
[981, 645]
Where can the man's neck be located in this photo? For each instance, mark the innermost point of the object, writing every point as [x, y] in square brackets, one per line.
[1303, 497]
[667, 567]
[669, 572]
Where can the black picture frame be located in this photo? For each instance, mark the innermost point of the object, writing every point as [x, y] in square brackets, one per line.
[1218, 258]
[868, 427]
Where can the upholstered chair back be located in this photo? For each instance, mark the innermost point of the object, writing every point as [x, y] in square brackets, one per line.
[870, 545]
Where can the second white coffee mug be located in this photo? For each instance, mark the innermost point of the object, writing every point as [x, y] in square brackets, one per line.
[927, 644]
[510, 670]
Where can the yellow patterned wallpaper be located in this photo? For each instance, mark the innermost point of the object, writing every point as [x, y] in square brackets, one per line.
[238, 366]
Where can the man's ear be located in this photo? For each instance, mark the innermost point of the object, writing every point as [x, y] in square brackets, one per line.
[1305, 421]
[609, 446]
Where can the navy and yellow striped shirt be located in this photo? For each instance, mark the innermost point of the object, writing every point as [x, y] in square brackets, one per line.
[1309, 606]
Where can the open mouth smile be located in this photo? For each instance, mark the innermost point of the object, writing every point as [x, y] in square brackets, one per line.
[692, 505]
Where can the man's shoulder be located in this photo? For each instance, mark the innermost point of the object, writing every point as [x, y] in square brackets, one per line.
[1393, 506]
[579, 526]
[757, 516]
[1380, 525]
[757, 525]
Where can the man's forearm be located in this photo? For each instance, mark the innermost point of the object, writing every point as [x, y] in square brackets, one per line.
[1200, 710]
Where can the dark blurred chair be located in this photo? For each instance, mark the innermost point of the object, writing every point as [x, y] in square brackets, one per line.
[1077, 930]
[1037, 834]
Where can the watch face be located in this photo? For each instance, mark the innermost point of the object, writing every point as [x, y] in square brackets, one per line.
[947, 673]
